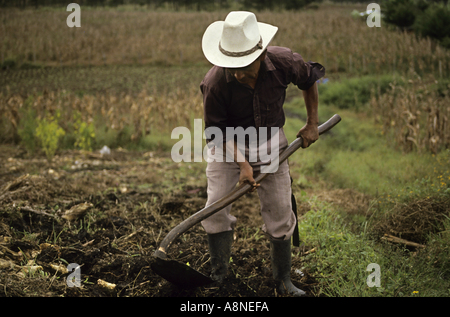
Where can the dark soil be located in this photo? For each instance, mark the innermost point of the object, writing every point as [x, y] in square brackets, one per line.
[136, 199]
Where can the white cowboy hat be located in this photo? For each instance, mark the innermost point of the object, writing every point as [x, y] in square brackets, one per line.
[238, 41]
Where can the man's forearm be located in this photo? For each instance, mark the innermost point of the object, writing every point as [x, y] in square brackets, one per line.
[310, 132]
[311, 97]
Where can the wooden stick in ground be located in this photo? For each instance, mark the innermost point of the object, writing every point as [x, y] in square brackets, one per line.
[390, 238]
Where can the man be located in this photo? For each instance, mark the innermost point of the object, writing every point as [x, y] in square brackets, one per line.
[246, 88]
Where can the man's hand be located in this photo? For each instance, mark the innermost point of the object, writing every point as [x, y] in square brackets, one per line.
[246, 175]
[309, 134]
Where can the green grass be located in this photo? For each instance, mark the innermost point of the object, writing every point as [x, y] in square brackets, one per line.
[342, 256]
[354, 154]
[355, 92]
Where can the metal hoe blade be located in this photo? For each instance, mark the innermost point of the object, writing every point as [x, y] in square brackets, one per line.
[179, 274]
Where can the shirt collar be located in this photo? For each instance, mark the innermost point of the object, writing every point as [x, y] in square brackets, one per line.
[266, 66]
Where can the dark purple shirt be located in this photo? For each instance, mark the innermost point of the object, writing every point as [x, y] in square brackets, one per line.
[228, 103]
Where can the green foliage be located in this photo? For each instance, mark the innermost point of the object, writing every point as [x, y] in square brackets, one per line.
[428, 19]
[434, 22]
[341, 256]
[438, 250]
[48, 132]
[435, 183]
[27, 126]
[401, 13]
[84, 133]
[160, 141]
[354, 154]
[105, 136]
[353, 93]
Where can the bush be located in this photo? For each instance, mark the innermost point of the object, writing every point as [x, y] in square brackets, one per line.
[434, 22]
[401, 13]
[355, 92]
[426, 19]
[48, 133]
[84, 133]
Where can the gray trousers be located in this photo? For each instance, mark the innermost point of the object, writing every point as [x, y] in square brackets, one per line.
[274, 194]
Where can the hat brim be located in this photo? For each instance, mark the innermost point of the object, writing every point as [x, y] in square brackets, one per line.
[210, 45]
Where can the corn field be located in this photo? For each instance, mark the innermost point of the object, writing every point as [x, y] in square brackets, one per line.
[143, 114]
[416, 116]
[110, 36]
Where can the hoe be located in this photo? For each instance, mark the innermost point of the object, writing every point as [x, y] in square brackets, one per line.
[185, 276]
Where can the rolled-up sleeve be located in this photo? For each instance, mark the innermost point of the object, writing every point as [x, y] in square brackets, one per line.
[305, 74]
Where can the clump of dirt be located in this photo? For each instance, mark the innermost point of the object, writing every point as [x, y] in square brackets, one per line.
[131, 200]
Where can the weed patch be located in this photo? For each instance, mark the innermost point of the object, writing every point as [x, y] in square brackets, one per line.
[48, 132]
[84, 133]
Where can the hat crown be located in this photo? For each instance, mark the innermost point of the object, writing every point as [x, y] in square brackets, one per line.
[237, 41]
[240, 32]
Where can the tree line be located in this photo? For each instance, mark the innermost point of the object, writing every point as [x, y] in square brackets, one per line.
[427, 18]
[176, 4]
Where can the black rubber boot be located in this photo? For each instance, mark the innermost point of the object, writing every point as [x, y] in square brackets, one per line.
[280, 254]
[220, 251]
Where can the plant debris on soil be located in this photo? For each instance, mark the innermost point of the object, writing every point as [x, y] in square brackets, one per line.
[415, 220]
[108, 214]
